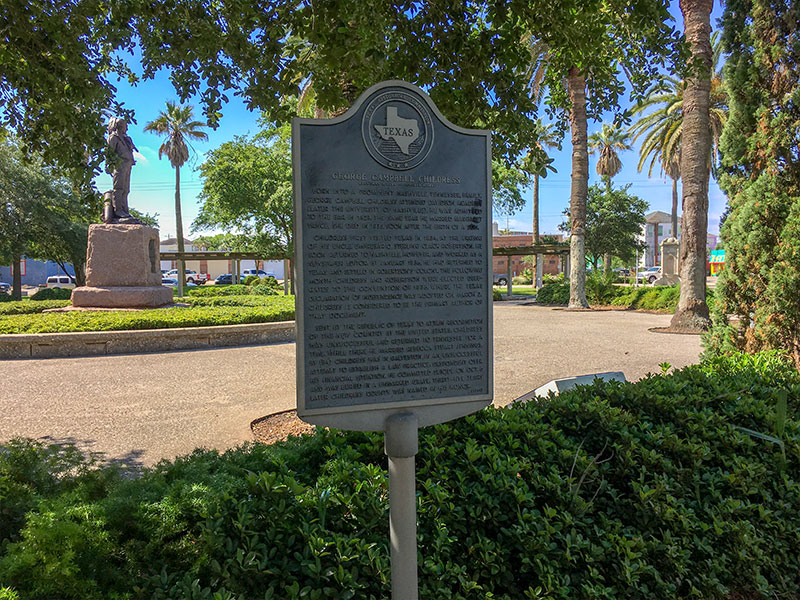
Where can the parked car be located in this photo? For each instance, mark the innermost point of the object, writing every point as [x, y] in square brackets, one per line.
[5, 288]
[227, 279]
[60, 281]
[500, 280]
[622, 272]
[191, 276]
[649, 275]
[169, 281]
[257, 273]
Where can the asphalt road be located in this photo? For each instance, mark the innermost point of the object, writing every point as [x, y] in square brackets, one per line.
[141, 408]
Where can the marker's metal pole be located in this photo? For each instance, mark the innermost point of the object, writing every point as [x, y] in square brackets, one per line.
[401, 444]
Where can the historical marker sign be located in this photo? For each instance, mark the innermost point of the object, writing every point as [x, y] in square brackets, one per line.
[393, 242]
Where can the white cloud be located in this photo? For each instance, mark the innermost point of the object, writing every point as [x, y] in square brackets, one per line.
[140, 157]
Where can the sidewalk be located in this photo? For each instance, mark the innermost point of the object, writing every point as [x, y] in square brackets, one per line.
[141, 408]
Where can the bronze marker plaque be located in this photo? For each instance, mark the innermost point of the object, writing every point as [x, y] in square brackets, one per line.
[393, 252]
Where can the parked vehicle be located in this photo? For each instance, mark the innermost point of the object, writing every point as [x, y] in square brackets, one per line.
[191, 276]
[169, 281]
[227, 279]
[60, 281]
[257, 273]
[622, 272]
[649, 275]
[500, 280]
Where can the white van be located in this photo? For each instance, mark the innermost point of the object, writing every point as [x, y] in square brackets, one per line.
[60, 281]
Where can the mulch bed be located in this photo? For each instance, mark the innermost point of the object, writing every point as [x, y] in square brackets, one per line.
[277, 427]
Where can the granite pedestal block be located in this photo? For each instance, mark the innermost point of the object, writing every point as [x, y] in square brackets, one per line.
[122, 269]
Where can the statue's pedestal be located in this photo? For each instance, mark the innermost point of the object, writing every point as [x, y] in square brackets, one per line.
[122, 269]
[670, 253]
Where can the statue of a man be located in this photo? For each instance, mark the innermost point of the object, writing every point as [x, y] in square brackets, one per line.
[122, 145]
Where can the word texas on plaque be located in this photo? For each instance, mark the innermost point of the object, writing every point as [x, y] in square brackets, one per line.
[393, 242]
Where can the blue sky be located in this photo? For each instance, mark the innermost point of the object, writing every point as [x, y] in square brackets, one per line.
[153, 180]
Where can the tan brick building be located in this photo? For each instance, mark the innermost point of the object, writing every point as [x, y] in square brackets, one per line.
[551, 262]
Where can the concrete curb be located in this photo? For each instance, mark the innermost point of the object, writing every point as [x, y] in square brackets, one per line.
[93, 343]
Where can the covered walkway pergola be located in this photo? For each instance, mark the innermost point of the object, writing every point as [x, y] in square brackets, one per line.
[537, 250]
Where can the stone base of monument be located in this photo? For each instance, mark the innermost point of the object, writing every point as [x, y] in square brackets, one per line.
[667, 280]
[121, 296]
[122, 269]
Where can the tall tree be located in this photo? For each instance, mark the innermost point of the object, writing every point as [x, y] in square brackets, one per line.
[608, 142]
[177, 124]
[41, 215]
[614, 221]
[247, 189]
[692, 312]
[760, 173]
[663, 126]
[546, 137]
[581, 50]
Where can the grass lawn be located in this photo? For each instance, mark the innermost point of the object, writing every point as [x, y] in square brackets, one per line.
[262, 309]
[518, 290]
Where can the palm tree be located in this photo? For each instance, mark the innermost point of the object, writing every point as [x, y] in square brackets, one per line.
[579, 187]
[608, 142]
[663, 127]
[696, 148]
[177, 124]
[547, 137]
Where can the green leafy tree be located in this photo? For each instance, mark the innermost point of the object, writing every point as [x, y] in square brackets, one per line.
[247, 190]
[41, 215]
[177, 124]
[614, 222]
[760, 284]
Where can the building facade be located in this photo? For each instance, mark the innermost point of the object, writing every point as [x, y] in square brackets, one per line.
[551, 262]
[35, 272]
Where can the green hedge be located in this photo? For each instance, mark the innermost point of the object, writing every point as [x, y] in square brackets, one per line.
[235, 300]
[26, 307]
[235, 290]
[649, 490]
[281, 308]
[553, 293]
[52, 294]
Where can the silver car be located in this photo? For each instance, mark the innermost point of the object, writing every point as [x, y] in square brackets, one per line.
[648, 275]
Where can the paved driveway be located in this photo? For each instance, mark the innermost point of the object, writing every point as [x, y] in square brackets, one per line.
[141, 408]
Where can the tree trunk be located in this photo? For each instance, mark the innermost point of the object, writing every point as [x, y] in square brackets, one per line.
[692, 311]
[179, 233]
[674, 215]
[16, 277]
[607, 263]
[576, 84]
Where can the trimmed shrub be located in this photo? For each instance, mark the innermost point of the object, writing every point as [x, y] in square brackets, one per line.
[251, 279]
[267, 286]
[52, 294]
[496, 295]
[281, 308]
[553, 293]
[250, 300]
[25, 307]
[667, 488]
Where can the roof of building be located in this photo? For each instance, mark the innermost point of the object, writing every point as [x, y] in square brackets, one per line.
[658, 216]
